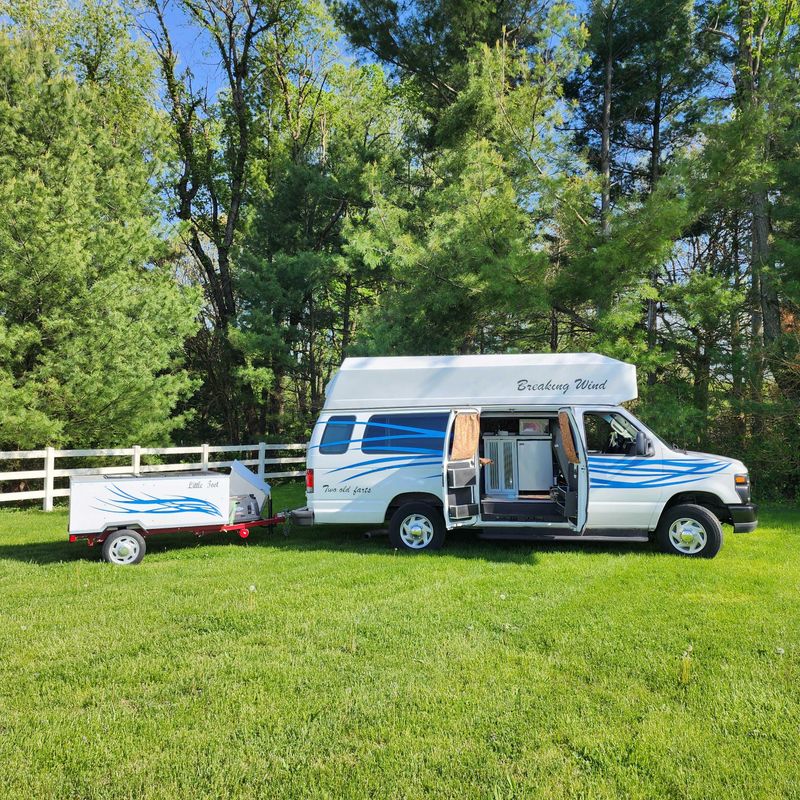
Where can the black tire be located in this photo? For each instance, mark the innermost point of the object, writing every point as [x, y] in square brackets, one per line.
[700, 523]
[429, 525]
[124, 548]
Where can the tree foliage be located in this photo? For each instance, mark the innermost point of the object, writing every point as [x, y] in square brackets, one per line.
[401, 177]
[92, 322]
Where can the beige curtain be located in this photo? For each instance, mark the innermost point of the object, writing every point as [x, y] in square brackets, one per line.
[566, 438]
[466, 431]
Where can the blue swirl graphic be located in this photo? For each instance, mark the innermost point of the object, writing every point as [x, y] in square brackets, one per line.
[123, 502]
[407, 432]
[641, 473]
[396, 464]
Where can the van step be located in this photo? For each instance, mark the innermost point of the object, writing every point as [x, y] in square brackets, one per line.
[527, 534]
[463, 512]
[559, 533]
[458, 477]
[521, 511]
[522, 517]
[460, 496]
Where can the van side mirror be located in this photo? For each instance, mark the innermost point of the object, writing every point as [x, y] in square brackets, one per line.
[644, 447]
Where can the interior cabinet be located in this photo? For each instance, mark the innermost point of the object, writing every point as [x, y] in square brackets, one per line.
[501, 474]
[519, 464]
[534, 465]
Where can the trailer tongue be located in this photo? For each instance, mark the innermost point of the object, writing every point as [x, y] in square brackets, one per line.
[122, 511]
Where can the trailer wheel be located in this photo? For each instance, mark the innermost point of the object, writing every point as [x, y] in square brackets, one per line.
[124, 547]
[416, 527]
[689, 530]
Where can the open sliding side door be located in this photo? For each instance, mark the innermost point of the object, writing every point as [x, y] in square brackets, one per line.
[576, 501]
[461, 488]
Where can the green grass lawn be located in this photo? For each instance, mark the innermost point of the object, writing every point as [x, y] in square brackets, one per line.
[321, 664]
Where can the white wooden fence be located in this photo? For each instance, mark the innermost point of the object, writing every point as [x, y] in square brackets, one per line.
[50, 473]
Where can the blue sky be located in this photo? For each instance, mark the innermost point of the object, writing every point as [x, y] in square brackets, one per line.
[195, 48]
[197, 51]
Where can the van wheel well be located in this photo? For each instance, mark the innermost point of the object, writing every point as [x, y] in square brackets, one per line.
[412, 497]
[705, 499]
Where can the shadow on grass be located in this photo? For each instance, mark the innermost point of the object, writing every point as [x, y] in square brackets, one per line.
[362, 540]
[460, 543]
[42, 552]
[56, 552]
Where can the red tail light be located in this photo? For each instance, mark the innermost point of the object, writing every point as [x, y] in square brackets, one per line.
[309, 480]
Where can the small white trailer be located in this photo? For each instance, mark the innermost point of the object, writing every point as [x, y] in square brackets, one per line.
[120, 511]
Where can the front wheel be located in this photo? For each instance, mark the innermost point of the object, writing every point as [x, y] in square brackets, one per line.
[689, 530]
[124, 548]
[416, 527]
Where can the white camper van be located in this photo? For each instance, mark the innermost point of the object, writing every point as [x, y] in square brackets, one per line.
[516, 447]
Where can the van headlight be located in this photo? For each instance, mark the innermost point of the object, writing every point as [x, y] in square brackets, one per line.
[742, 484]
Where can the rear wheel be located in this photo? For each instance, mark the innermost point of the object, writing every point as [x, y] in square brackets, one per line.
[417, 527]
[124, 548]
[689, 530]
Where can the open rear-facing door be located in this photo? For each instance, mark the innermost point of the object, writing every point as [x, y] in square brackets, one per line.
[576, 495]
[460, 468]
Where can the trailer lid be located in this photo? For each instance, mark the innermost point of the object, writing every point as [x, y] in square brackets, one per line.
[243, 481]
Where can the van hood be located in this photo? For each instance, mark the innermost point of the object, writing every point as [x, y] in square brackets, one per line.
[734, 465]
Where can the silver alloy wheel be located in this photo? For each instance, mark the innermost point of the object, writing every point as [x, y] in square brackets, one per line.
[124, 550]
[416, 531]
[687, 536]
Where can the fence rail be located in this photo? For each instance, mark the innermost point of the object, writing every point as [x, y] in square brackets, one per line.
[49, 474]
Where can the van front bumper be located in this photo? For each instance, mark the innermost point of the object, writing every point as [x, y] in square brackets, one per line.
[744, 517]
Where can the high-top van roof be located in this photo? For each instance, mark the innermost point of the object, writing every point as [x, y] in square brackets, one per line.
[514, 381]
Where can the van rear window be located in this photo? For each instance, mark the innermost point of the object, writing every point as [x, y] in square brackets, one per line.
[421, 434]
[336, 436]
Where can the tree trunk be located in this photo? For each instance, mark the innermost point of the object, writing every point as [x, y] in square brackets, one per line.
[346, 309]
[765, 301]
[605, 127]
[759, 255]
[747, 102]
[702, 378]
[655, 159]
[274, 420]
[770, 304]
[737, 346]
[553, 331]
[313, 363]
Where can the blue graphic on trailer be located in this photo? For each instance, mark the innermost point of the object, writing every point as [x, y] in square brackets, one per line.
[126, 503]
[609, 472]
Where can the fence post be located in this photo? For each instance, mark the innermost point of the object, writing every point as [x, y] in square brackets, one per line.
[49, 466]
[137, 459]
[204, 457]
[262, 457]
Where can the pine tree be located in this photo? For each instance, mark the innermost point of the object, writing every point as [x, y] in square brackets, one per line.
[93, 320]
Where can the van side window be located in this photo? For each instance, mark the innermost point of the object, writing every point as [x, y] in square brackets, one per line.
[609, 433]
[421, 434]
[336, 436]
